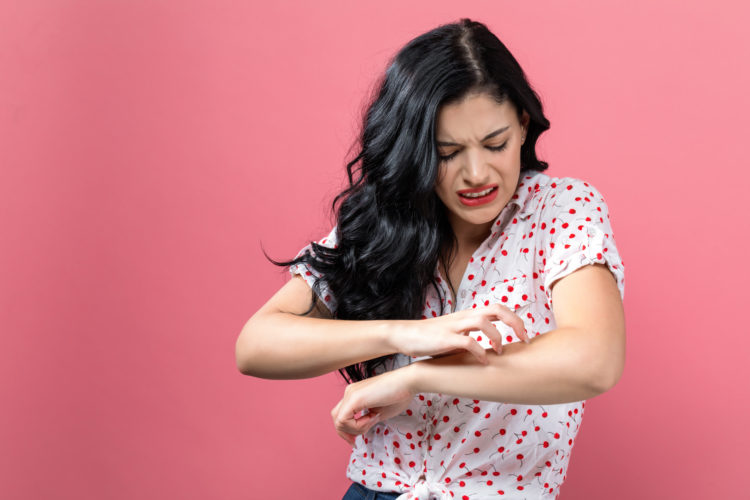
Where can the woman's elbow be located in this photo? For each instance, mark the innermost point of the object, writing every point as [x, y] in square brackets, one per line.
[241, 358]
[244, 352]
[606, 380]
[609, 372]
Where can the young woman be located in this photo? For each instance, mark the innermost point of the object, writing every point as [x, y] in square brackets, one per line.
[472, 301]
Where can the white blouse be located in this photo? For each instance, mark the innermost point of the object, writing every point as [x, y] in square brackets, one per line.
[445, 447]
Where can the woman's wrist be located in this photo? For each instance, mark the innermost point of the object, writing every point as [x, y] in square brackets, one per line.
[425, 375]
[392, 333]
[412, 374]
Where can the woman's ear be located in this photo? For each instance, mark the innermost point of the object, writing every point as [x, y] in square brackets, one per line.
[525, 121]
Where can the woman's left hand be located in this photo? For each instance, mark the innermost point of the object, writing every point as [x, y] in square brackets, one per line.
[384, 396]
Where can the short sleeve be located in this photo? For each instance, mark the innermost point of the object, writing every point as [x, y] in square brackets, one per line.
[310, 274]
[576, 232]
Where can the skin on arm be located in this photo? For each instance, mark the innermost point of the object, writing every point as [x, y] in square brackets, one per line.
[589, 299]
[276, 343]
[583, 357]
[580, 359]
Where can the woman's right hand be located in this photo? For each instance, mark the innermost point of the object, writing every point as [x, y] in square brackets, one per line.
[450, 333]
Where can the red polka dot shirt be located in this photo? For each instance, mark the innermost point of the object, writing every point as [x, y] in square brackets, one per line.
[445, 447]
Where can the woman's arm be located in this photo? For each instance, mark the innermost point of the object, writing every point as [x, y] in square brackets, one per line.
[582, 358]
[277, 344]
[550, 370]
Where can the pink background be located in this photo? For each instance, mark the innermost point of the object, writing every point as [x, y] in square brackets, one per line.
[149, 148]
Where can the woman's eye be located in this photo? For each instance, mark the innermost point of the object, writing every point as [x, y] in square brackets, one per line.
[498, 148]
[448, 157]
[491, 148]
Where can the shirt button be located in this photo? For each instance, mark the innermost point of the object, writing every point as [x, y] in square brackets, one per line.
[463, 294]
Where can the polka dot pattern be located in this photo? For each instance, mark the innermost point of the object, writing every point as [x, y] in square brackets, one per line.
[446, 447]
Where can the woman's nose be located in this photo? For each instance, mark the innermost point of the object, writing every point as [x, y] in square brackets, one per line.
[475, 170]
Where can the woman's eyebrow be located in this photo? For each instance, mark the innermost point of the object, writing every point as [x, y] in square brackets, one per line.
[488, 136]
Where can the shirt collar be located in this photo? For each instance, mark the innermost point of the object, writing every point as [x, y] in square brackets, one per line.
[520, 202]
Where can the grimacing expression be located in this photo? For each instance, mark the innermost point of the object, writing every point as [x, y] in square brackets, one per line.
[479, 143]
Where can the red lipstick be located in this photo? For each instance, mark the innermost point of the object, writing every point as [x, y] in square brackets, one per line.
[481, 200]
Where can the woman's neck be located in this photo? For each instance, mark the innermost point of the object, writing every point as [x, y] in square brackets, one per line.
[470, 236]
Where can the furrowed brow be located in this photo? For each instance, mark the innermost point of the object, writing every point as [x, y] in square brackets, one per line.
[488, 136]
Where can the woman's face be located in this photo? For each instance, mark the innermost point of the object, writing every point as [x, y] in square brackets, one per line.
[479, 143]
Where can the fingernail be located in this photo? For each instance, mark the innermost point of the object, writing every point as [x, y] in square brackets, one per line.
[527, 341]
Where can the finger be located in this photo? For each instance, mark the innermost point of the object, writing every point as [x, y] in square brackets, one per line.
[337, 426]
[526, 337]
[361, 424]
[376, 418]
[480, 322]
[468, 324]
[356, 427]
[496, 338]
[471, 345]
[335, 410]
[520, 328]
[347, 415]
[352, 407]
[347, 437]
[511, 319]
[479, 315]
[464, 341]
[343, 419]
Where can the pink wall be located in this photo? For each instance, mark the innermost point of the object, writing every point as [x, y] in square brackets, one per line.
[148, 148]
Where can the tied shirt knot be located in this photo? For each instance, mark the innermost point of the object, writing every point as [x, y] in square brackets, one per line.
[425, 490]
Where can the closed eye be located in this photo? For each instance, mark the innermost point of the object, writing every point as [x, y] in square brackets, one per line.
[448, 157]
[498, 148]
[491, 148]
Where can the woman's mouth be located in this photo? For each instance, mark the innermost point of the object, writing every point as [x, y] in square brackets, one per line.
[474, 198]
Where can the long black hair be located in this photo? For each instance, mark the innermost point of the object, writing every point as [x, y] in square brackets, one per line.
[390, 222]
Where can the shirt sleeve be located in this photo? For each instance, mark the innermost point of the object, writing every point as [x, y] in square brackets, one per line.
[311, 275]
[577, 232]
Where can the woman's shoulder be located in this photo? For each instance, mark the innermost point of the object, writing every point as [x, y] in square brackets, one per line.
[556, 185]
[564, 191]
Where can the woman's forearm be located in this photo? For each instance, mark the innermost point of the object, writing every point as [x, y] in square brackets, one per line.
[552, 369]
[282, 345]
